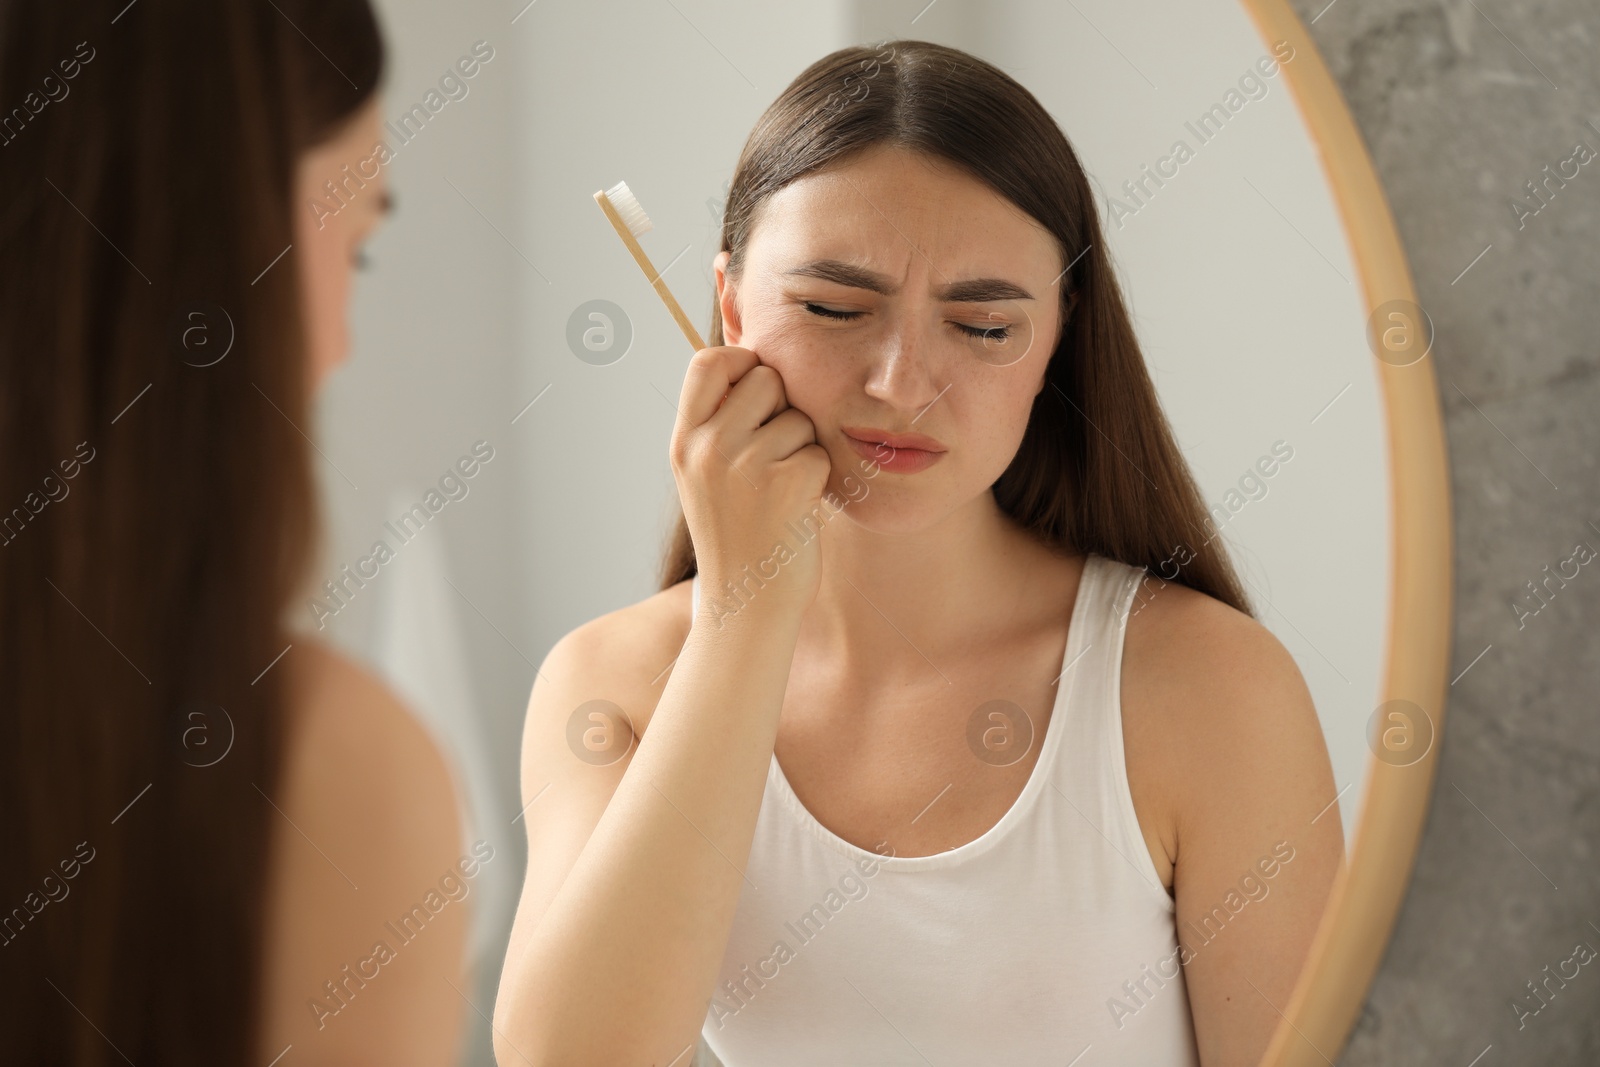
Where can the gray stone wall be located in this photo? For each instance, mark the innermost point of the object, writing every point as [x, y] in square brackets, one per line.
[1461, 105]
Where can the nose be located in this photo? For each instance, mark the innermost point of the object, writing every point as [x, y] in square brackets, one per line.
[902, 373]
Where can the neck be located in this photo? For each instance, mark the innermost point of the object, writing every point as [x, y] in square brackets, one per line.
[903, 605]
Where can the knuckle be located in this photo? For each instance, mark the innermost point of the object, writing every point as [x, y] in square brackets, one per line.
[765, 376]
[682, 451]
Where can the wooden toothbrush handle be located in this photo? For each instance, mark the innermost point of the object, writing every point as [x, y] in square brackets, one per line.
[650, 271]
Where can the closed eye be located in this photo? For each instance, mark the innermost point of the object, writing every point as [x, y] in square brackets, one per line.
[987, 333]
[831, 313]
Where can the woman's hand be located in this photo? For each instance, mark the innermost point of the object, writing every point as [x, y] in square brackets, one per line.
[747, 465]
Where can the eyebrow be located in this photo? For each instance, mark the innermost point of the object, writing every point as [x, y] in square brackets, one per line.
[972, 291]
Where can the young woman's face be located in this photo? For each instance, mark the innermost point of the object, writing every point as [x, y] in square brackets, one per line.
[897, 294]
[330, 230]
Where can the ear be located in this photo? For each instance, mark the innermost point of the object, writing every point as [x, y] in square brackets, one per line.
[732, 328]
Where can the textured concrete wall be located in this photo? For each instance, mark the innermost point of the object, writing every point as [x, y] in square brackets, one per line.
[1461, 104]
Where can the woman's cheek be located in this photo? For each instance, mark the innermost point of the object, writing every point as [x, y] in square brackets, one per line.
[803, 360]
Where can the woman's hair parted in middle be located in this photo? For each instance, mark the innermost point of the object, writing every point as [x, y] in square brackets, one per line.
[1099, 469]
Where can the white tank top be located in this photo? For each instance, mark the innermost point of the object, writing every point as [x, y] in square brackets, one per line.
[1046, 939]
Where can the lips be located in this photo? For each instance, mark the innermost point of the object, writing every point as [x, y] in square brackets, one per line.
[916, 441]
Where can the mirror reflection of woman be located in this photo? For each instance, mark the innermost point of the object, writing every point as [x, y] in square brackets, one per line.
[961, 748]
[206, 818]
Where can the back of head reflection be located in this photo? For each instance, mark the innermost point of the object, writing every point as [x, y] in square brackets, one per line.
[209, 819]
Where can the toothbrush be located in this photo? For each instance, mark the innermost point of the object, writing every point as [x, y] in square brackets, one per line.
[631, 223]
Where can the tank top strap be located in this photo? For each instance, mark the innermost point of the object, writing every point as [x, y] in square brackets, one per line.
[1091, 770]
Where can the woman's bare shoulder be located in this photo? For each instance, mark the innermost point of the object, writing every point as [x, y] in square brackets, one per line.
[1211, 698]
[624, 656]
[1165, 618]
[1195, 653]
[346, 719]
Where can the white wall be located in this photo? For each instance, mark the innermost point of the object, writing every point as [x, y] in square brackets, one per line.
[435, 348]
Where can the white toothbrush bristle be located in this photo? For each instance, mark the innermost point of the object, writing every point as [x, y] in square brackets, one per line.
[627, 206]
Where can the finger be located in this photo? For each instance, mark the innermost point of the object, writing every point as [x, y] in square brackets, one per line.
[786, 434]
[753, 400]
[710, 377]
[783, 402]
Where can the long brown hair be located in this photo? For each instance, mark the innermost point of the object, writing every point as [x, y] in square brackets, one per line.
[156, 503]
[1098, 469]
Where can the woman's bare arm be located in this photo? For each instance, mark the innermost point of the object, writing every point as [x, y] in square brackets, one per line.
[1218, 709]
[635, 867]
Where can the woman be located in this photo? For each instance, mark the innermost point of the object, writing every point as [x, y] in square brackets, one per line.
[208, 818]
[938, 772]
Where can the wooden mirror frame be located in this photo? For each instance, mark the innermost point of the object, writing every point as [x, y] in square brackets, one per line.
[1367, 893]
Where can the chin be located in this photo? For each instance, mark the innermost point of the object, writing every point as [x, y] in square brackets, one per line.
[882, 510]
